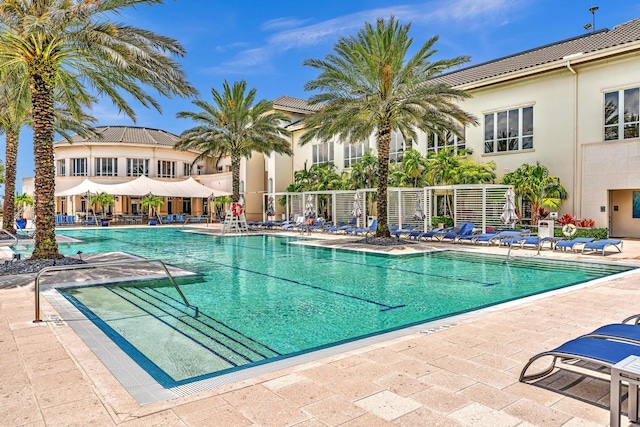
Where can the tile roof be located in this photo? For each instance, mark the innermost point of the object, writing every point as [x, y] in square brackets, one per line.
[592, 42]
[129, 135]
[295, 103]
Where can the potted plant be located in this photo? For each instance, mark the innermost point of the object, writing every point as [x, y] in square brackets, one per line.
[21, 201]
[152, 203]
[103, 199]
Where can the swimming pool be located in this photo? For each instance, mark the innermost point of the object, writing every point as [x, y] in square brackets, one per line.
[262, 299]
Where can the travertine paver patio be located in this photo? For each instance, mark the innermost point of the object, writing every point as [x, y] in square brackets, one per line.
[464, 375]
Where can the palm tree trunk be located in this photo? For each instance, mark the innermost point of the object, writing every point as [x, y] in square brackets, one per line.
[41, 82]
[384, 139]
[235, 175]
[11, 155]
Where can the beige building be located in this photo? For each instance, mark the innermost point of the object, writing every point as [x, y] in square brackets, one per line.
[573, 105]
[122, 154]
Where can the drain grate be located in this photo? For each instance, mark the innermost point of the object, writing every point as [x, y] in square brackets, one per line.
[56, 320]
[439, 328]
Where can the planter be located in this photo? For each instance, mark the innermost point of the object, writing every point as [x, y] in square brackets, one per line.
[21, 223]
[104, 222]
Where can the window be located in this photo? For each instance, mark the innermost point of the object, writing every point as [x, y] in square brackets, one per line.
[506, 131]
[166, 169]
[322, 153]
[106, 166]
[397, 147]
[354, 152]
[627, 101]
[137, 167]
[436, 143]
[61, 168]
[79, 167]
[186, 169]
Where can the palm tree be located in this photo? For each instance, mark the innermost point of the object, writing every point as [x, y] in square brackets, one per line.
[14, 108]
[535, 184]
[54, 43]
[369, 86]
[364, 172]
[104, 200]
[233, 126]
[152, 203]
[15, 112]
[22, 201]
[413, 167]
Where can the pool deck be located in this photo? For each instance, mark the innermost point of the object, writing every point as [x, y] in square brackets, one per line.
[465, 374]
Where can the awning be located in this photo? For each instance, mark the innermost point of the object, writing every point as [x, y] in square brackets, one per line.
[142, 186]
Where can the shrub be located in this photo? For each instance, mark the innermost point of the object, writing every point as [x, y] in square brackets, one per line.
[596, 233]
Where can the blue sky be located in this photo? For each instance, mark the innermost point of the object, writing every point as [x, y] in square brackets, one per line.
[265, 42]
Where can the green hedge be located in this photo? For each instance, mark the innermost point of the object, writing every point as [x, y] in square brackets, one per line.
[596, 233]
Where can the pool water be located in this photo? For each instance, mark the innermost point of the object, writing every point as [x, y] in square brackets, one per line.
[261, 298]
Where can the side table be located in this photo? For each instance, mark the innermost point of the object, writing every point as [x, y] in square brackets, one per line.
[627, 370]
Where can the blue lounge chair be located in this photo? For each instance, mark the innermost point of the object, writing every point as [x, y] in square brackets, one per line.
[370, 229]
[342, 227]
[602, 245]
[431, 234]
[480, 238]
[466, 229]
[617, 331]
[603, 352]
[91, 221]
[415, 234]
[534, 241]
[400, 231]
[570, 244]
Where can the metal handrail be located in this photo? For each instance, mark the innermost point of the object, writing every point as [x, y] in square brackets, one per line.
[15, 238]
[105, 264]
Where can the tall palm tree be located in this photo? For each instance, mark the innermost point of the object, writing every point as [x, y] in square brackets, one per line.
[14, 110]
[370, 86]
[51, 39]
[233, 126]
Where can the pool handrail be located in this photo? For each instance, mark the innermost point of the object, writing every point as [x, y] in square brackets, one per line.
[105, 264]
[13, 236]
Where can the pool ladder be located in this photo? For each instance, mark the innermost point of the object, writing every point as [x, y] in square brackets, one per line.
[106, 264]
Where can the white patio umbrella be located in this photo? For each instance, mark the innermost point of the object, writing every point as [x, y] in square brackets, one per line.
[271, 211]
[309, 210]
[357, 210]
[419, 215]
[509, 216]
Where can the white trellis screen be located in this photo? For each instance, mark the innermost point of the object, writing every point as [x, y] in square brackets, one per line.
[479, 204]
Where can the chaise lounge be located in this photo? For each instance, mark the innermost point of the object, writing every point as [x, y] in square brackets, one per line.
[602, 245]
[571, 244]
[603, 352]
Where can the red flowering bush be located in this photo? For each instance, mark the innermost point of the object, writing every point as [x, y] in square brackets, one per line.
[586, 223]
[566, 219]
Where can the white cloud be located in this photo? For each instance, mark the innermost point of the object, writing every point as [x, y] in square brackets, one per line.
[279, 23]
[469, 13]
